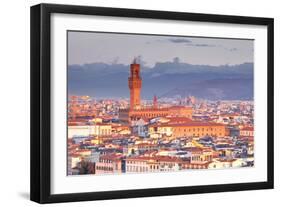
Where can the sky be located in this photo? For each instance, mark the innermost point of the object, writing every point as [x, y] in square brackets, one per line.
[112, 48]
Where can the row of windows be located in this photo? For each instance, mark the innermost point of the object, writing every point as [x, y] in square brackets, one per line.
[196, 167]
[134, 162]
[152, 115]
[146, 169]
[104, 168]
[136, 169]
[198, 129]
[141, 168]
[166, 169]
[106, 131]
[106, 161]
[169, 165]
[101, 131]
[198, 158]
[202, 134]
[246, 133]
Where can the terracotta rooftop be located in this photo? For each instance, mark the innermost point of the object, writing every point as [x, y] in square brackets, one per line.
[160, 109]
[191, 123]
[111, 157]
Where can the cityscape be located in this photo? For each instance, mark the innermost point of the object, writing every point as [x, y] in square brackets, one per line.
[136, 136]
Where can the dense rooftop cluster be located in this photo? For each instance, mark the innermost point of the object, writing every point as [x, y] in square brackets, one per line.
[220, 134]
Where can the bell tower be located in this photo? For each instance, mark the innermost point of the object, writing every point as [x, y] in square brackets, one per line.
[155, 102]
[135, 83]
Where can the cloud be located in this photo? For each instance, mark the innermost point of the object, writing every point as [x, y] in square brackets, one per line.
[188, 42]
[233, 49]
[179, 40]
[204, 45]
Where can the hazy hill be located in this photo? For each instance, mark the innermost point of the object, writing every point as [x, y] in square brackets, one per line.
[166, 79]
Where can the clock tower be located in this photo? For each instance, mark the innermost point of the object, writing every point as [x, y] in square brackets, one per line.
[135, 83]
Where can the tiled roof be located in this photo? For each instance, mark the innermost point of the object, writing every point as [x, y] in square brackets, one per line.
[187, 124]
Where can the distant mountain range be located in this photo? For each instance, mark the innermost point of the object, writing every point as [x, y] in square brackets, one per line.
[168, 79]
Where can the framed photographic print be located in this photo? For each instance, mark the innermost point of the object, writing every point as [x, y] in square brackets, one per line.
[132, 103]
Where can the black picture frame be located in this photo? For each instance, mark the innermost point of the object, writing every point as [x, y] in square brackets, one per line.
[41, 98]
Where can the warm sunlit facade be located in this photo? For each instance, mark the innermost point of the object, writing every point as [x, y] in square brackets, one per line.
[189, 129]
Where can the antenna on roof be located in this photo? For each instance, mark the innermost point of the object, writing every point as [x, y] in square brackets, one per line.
[135, 60]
